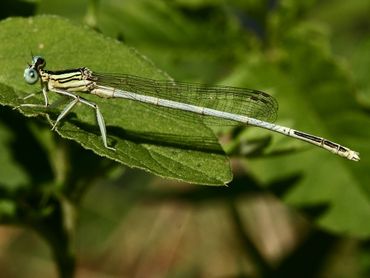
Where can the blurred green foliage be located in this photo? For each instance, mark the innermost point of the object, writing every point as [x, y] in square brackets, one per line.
[312, 56]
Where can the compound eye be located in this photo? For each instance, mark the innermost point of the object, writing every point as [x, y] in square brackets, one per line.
[38, 62]
[30, 75]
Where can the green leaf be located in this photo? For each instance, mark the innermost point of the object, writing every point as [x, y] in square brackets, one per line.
[145, 138]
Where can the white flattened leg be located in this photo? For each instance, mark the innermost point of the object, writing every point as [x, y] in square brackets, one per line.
[65, 111]
[72, 104]
[100, 120]
[103, 131]
[45, 94]
[46, 100]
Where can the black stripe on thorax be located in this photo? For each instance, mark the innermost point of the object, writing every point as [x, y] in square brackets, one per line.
[72, 75]
[57, 72]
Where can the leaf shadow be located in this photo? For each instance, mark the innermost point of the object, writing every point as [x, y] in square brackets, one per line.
[195, 143]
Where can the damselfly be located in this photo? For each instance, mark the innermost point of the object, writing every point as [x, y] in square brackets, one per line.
[220, 103]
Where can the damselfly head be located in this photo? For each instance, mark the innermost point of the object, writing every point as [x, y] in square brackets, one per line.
[31, 73]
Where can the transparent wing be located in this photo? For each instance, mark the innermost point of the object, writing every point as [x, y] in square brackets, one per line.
[251, 103]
